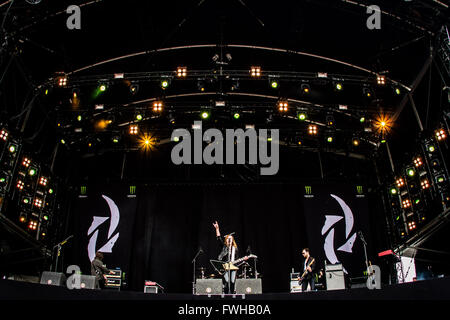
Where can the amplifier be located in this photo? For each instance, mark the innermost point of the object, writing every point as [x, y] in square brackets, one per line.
[208, 286]
[114, 280]
[334, 277]
[248, 286]
[87, 282]
[152, 287]
[295, 286]
[53, 278]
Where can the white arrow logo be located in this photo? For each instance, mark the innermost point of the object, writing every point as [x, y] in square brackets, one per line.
[330, 221]
[96, 222]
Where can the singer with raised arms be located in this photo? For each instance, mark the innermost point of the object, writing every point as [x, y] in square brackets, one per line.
[229, 254]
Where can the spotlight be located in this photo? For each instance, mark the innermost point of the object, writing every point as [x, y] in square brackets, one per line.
[171, 118]
[157, 106]
[283, 106]
[32, 172]
[400, 182]
[425, 184]
[165, 83]
[4, 135]
[147, 142]
[12, 148]
[301, 116]
[20, 184]
[338, 86]
[205, 115]
[235, 85]
[440, 134]
[393, 191]
[236, 115]
[305, 88]
[367, 93]
[312, 130]
[62, 81]
[410, 172]
[23, 217]
[32, 225]
[411, 225]
[43, 181]
[201, 85]
[26, 162]
[406, 203]
[381, 80]
[274, 84]
[181, 72]
[362, 119]
[431, 148]
[355, 141]
[255, 72]
[133, 129]
[115, 139]
[102, 87]
[330, 120]
[418, 162]
[330, 139]
[139, 116]
[397, 91]
[134, 88]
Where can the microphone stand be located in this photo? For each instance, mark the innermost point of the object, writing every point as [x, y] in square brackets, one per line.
[193, 276]
[59, 247]
[365, 250]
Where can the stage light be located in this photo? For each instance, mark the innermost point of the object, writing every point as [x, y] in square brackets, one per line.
[133, 129]
[134, 88]
[32, 172]
[411, 172]
[147, 142]
[181, 72]
[235, 85]
[62, 81]
[418, 162]
[330, 139]
[362, 119]
[440, 179]
[393, 191]
[397, 91]
[158, 106]
[406, 203]
[305, 88]
[425, 184]
[301, 116]
[367, 92]
[330, 120]
[165, 83]
[411, 225]
[383, 124]
[400, 182]
[38, 202]
[201, 85]
[50, 191]
[20, 184]
[205, 115]
[45, 217]
[32, 225]
[4, 135]
[43, 181]
[23, 217]
[63, 141]
[12, 148]
[255, 72]
[356, 141]
[236, 115]
[115, 139]
[381, 80]
[338, 86]
[102, 87]
[312, 129]
[283, 106]
[139, 117]
[79, 118]
[440, 134]
[274, 84]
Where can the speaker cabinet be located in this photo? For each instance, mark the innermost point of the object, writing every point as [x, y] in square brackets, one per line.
[87, 282]
[208, 286]
[150, 289]
[53, 278]
[248, 286]
[334, 276]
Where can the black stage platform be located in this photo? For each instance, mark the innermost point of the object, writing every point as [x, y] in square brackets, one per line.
[403, 301]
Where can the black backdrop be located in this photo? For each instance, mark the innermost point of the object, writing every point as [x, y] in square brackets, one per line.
[162, 228]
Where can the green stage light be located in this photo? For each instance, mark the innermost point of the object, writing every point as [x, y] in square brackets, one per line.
[301, 116]
[205, 115]
[411, 172]
[236, 115]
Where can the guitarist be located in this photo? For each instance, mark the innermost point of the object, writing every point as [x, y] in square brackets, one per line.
[229, 253]
[308, 271]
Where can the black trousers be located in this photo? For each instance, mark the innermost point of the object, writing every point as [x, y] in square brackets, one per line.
[305, 283]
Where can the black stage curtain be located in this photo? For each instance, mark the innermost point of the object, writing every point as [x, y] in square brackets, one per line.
[162, 228]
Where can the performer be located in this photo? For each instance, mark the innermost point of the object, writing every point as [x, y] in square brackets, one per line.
[99, 270]
[229, 253]
[308, 271]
